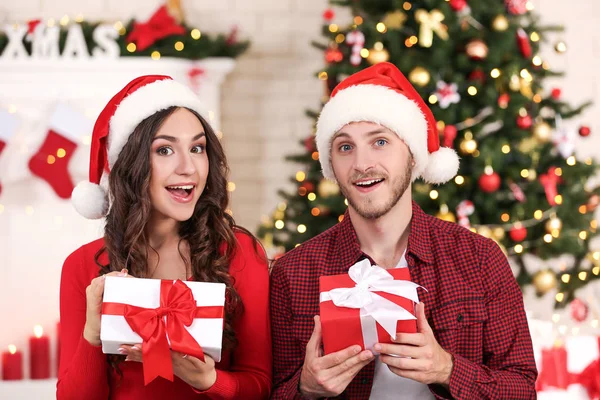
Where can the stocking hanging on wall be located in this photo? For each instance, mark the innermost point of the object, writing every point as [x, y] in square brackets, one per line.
[51, 161]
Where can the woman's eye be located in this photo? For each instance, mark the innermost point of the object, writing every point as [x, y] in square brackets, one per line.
[164, 151]
[381, 142]
[198, 149]
[345, 147]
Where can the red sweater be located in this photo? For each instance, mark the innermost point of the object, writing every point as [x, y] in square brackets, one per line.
[244, 373]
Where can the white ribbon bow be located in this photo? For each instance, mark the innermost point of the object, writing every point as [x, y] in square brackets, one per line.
[370, 279]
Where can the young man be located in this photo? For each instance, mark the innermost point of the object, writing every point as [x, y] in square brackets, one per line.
[374, 137]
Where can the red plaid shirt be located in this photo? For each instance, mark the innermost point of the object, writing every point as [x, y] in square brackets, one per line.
[473, 305]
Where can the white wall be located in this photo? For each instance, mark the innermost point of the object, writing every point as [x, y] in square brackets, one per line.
[271, 86]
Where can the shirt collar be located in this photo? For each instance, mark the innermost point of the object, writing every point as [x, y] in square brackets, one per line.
[419, 240]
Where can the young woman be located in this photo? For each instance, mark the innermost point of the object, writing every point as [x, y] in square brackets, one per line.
[162, 167]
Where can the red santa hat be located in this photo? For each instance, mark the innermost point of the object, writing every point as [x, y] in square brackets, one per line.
[141, 98]
[381, 94]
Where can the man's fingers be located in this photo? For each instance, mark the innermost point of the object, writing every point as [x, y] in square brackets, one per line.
[422, 323]
[415, 339]
[409, 364]
[314, 343]
[343, 379]
[403, 350]
[349, 364]
[337, 358]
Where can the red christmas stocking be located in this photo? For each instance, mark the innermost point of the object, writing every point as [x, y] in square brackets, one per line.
[8, 126]
[51, 161]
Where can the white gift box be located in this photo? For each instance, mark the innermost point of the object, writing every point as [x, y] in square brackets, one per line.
[145, 293]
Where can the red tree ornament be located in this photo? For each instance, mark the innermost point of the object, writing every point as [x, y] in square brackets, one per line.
[458, 5]
[523, 43]
[550, 181]
[518, 233]
[309, 186]
[489, 183]
[524, 122]
[449, 134]
[309, 144]
[556, 92]
[579, 310]
[333, 55]
[477, 76]
[584, 131]
[516, 7]
[328, 14]
[503, 100]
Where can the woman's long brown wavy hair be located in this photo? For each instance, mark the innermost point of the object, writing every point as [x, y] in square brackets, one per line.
[209, 232]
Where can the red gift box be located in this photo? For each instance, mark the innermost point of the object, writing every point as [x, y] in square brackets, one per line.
[366, 306]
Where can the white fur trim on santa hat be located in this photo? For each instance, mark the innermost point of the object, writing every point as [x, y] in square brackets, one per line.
[90, 200]
[377, 104]
[442, 166]
[141, 104]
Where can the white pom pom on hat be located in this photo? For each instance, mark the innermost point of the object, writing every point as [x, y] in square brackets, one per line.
[381, 94]
[138, 100]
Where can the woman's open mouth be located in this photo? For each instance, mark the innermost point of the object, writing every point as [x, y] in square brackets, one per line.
[182, 193]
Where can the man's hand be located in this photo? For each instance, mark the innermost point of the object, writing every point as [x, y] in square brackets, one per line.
[428, 362]
[328, 376]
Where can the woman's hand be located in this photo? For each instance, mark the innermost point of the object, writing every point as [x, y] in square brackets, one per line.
[198, 374]
[93, 294]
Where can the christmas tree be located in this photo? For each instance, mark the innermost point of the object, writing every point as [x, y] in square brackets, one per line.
[477, 65]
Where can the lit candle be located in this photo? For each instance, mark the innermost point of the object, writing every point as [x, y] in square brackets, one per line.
[39, 354]
[12, 364]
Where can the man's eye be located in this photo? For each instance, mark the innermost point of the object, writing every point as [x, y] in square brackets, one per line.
[381, 142]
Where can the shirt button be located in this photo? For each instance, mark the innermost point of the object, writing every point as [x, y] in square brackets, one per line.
[459, 318]
[364, 381]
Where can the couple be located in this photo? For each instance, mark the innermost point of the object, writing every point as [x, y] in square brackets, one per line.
[165, 173]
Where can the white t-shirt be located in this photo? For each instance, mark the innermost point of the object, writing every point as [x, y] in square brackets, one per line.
[387, 385]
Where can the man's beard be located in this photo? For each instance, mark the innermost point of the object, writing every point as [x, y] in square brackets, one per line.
[365, 207]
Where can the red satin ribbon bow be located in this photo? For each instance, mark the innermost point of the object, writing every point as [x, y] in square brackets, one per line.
[160, 25]
[549, 181]
[177, 310]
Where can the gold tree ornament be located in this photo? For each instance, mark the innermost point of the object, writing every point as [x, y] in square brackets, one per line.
[377, 56]
[468, 146]
[485, 231]
[544, 281]
[498, 233]
[327, 188]
[431, 22]
[175, 10]
[445, 214]
[395, 20]
[419, 76]
[542, 132]
[528, 144]
[500, 23]
[553, 224]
